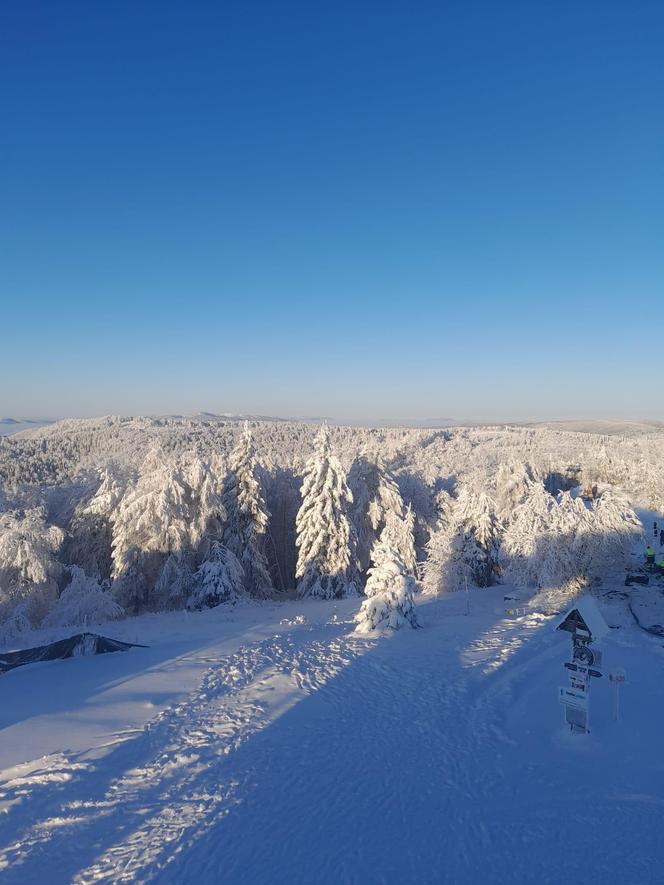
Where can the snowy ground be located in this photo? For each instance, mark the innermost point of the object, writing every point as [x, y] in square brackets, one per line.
[269, 745]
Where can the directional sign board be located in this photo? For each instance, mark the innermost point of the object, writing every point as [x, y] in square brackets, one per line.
[584, 617]
[573, 697]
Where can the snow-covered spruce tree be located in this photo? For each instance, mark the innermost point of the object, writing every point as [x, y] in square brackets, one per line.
[463, 549]
[29, 569]
[220, 579]
[389, 591]
[376, 496]
[327, 564]
[247, 517]
[91, 528]
[476, 521]
[440, 548]
[83, 603]
[205, 481]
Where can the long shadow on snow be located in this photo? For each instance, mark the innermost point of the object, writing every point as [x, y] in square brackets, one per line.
[91, 782]
[352, 717]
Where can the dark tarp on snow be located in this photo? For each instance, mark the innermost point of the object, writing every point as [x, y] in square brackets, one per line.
[76, 646]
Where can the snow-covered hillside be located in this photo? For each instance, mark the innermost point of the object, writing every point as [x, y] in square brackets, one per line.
[272, 744]
[334, 687]
[154, 514]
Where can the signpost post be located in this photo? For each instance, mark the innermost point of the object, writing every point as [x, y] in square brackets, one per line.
[617, 678]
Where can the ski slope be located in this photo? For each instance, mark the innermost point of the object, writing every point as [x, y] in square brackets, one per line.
[270, 744]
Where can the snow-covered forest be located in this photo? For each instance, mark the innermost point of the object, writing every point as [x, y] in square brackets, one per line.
[109, 517]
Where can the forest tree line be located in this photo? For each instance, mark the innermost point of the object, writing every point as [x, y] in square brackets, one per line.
[195, 527]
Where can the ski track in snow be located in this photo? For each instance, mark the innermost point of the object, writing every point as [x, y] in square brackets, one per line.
[416, 735]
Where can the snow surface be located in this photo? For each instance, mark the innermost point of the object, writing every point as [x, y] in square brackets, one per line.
[270, 743]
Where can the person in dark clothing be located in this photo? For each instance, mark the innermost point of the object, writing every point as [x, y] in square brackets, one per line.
[661, 538]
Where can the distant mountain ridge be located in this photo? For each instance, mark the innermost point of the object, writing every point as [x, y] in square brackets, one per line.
[16, 425]
[10, 426]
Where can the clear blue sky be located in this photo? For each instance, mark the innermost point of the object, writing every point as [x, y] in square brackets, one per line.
[353, 209]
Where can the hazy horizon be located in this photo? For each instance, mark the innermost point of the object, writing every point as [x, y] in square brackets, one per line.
[25, 421]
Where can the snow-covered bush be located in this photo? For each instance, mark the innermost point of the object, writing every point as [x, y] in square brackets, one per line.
[83, 603]
[389, 591]
[327, 564]
[217, 580]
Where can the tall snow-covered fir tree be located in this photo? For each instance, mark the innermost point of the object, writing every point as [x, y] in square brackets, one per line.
[205, 480]
[247, 517]
[91, 528]
[463, 548]
[157, 528]
[439, 548]
[389, 590]
[155, 514]
[152, 521]
[475, 515]
[327, 564]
